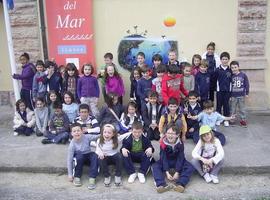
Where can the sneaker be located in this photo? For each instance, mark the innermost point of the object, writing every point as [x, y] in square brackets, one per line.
[226, 123]
[243, 123]
[161, 189]
[15, 133]
[107, 181]
[141, 177]
[132, 178]
[77, 182]
[92, 184]
[46, 141]
[179, 188]
[218, 123]
[39, 134]
[117, 180]
[207, 178]
[214, 179]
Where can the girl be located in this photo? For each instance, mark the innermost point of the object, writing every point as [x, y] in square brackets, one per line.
[24, 119]
[107, 151]
[114, 82]
[133, 86]
[129, 117]
[41, 114]
[196, 62]
[52, 98]
[70, 80]
[69, 107]
[39, 81]
[208, 155]
[88, 89]
[54, 78]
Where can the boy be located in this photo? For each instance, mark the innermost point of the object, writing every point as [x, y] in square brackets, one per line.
[88, 122]
[210, 117]
[151, 113]
[79, 148]
[172, 156]
[192, 108]
[144, 85]
[172, 84]
[172, 55]
[156, 82]
[173, 114]
[137, 148]
[140, 63]
[240, 90]
[58, 127]
[39, 81]
[223, 75]
[156, 60]
[202, 82]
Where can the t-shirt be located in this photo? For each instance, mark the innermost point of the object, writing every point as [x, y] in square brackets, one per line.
[154, 115]
[211, 119]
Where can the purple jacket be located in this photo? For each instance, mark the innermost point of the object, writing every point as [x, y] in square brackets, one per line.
[87, 87]
[28, 73]
[116, 85]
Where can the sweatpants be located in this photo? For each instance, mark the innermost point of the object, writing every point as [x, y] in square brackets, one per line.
[223, 102]
[24, 130]
[111, 160]
[217, 134]
[93, 104]
[197, 164]
[26, 95]
[57, 138]
[89, 158]
[153, 134]
[139, 157]
[159, 173]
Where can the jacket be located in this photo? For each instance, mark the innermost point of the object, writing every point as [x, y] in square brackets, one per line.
[18, 120]
[88, 87]
[27, 75]
[146, 143]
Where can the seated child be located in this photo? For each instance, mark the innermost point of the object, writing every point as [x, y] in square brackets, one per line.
[107, 151]
[69, 106]
[208, 155]
[58, 127]
[80, 149]
[137, 148]
[41, 114]
[24, 119]
[88, 122]
[151, 113]
[172, 157]
[173, 114]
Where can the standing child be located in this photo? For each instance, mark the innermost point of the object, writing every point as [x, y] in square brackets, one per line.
[54, 78]
[144, 85]
[79, 150]
[156, 60]
[196, 62]
[137, 148]
[189, 81]
[39, 81]
[140, 63]
[41, 114]
[24, 119]
[108, 153]
[172, 157]
[208, 155]
[114, 83]
[240, 90]
[137, 74]
[70, 80]
[173, 59]
[156, 82]
[52, 98]
[69, 106]
[88, 89]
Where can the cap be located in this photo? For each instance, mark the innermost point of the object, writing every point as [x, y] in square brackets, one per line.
[205, 129]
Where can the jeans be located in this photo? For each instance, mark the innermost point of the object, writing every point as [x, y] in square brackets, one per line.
[238, 103]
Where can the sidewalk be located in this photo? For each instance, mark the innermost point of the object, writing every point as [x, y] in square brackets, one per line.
[246, 152]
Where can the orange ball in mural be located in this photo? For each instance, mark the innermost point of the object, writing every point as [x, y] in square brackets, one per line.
[169, 21]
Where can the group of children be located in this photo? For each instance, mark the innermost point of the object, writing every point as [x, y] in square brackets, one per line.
[168, 103]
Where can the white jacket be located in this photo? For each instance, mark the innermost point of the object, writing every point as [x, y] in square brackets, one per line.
[18, 121]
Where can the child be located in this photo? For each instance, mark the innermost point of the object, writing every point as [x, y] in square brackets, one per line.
[210, 117]
[88, 89]
[156, 82]
[114, 83]
[144, 85]
[172, 84]
[128, 117]
[108, 153]
[156, 60]
[151, 113]
[70, 80]
[172, 156]
[69, 106]
[52, 98]
[111, 113]
[240, 90]
[27, 75]
[192, 108]
[24, 119]
[88, 122]
[223, 75]
[80, 150]
[208, 155]
[41, 114]
[54, 78]
[137, 148]
[58, 127]
[39, 88]
[202, 83]
[189, 81]
[173, 59]
[173, 114]
[196, 62]
[133, 86]
[140, 63]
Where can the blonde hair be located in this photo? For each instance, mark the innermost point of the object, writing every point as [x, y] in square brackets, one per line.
[212, 138]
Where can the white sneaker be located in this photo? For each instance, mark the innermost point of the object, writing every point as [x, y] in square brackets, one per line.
[15, 133]
[226, 123]
[141, 177]
[132, 178]
[218, 123]
[214, 179]
[207, 178]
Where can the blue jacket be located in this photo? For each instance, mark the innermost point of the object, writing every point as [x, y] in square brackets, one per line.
[146, 143]
[88, 87]
[193, 123]
[224, 79]
[147, 113]
[143, 87]
[27, 75]
[202, 85]
[55, 82]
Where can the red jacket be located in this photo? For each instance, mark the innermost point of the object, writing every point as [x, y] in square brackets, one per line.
[171, 87]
